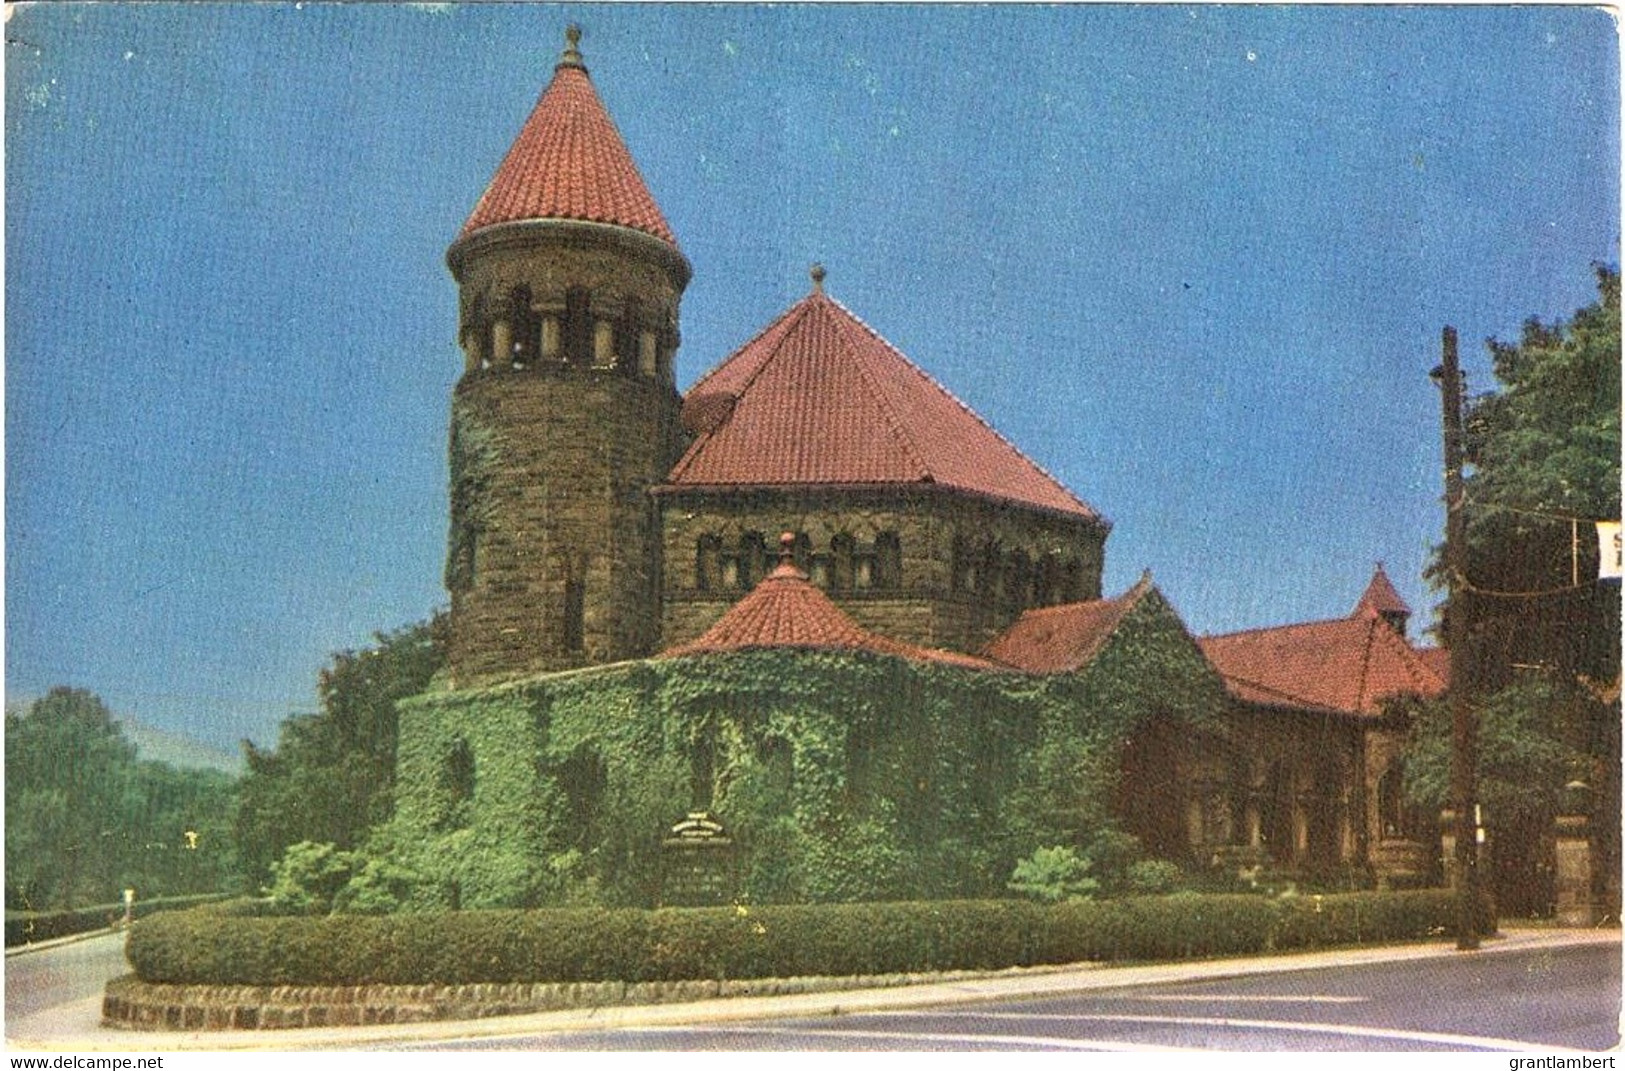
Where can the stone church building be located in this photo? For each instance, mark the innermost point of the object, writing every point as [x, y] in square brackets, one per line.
[819, 492]
[598, 515]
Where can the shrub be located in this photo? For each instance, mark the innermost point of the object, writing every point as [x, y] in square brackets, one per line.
[26, 927]
[215, 947]
[1053, 875]
[308, 877]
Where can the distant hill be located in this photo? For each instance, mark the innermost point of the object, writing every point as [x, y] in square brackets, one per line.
[159, 745]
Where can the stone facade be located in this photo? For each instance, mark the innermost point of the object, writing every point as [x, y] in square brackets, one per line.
[929, 566]
[565, 416]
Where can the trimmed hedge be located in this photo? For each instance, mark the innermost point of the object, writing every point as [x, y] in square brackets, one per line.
[26, 927]
[214, 947]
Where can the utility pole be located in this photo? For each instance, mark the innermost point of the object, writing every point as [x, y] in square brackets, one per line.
[1463, 664]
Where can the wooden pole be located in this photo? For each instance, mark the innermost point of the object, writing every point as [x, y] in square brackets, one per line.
[1458, 631]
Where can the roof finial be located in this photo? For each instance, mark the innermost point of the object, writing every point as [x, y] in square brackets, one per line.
[572, 53]
[817, 274]
[787, 548]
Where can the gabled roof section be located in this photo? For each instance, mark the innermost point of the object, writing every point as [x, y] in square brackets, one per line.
[1346, 666]
[1438, 660]
[818, 397]
[1064, 638]
[569, 163]
[787, 611]
[1380, 598]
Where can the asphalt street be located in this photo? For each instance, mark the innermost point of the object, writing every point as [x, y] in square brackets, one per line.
[69, 973]
[1545, 1000]
[1538, 991]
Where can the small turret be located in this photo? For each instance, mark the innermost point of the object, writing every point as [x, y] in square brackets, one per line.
[1382, 600]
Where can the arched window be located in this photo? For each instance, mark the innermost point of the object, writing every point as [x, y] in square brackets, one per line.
[888, 562]
[842, 555]
[1019, 589]
[752, 560]
[708, 563]
[578, 329]
[959, 570]
[575, 605]
[626, 338]
[456, 783]
[527, 328]
[1397, 817]
[1047, 581]
[1072, 581]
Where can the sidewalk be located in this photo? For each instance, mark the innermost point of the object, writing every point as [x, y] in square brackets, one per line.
[74, 1027]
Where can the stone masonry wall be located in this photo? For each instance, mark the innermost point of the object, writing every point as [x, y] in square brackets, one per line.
[933, 604]
[551, 469]
[565, 416]
[131, 1004]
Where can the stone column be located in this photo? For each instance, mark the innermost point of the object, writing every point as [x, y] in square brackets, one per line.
[646, 355]
[603, 344]
[502, 344]
[550, 338]
[1575, 904]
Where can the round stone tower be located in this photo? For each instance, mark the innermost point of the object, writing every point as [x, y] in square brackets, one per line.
[567, 410]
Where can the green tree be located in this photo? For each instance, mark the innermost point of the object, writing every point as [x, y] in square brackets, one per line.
[1543, 447]
[1543, 460]
[331, 778]
[68, 773]
[179, 840]
[85, 819]
[1530, 738]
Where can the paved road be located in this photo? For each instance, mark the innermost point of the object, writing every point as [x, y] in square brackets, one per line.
[1566, 998]
[67, 974]
[1535, 991]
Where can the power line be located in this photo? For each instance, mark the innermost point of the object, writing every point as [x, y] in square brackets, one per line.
[1468, 585]
[1566, 517]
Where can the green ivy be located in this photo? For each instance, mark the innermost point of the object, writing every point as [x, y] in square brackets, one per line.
[840, 777]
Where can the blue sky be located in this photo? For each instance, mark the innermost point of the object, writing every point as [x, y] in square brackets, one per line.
[1192, 260]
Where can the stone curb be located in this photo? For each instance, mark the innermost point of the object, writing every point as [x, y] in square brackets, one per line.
[131, 1004]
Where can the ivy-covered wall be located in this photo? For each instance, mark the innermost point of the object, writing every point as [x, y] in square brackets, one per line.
[839, 776]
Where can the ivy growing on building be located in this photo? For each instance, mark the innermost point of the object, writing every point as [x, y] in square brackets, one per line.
[840, 777]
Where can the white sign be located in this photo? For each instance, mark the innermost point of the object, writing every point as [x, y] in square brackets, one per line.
[1611, 559]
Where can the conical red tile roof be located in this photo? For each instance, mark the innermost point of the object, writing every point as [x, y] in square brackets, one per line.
[1380, 597]
[820, 398]
[786, 610]
[569, 162]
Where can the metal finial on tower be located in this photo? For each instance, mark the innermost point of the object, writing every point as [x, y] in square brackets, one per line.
[572, 50]
[818, 274]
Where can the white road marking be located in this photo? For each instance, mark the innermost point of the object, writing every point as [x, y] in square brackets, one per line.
[1031, 1041]
[1427, 1037]
[1237, 998]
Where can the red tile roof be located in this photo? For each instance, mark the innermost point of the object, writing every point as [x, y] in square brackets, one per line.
[1380, 597]
[569, 162]
[1438, 660]
[786, 610]
[1346, 666]
[1065, 638]
[819, 398]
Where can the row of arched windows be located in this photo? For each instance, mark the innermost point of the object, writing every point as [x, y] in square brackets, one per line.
[843, 565]
[511, 333]
[1013, 577]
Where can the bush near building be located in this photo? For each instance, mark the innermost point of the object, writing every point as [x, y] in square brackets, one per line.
[212, 946]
